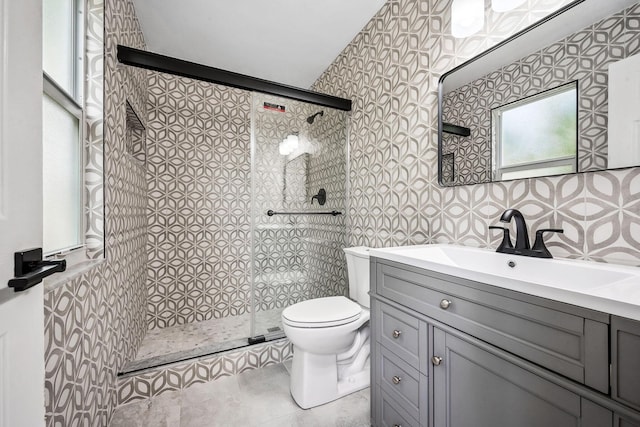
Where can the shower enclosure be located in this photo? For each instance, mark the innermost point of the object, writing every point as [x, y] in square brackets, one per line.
[298, 205]
[236, 228]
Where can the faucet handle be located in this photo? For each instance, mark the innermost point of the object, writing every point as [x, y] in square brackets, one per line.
[506, 239]
[539, 246]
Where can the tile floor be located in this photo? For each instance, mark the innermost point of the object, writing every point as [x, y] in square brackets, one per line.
[254, 398]
[181, 342]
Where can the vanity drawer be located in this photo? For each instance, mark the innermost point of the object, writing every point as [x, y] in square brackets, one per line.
[403, 334]
[390, 414]
[560, 337]
[402, 382]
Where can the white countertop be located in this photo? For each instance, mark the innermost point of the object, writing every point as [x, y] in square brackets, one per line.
[609, 288]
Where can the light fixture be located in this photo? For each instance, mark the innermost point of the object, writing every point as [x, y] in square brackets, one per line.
[288, 145]
[467, 17]
[505, 5]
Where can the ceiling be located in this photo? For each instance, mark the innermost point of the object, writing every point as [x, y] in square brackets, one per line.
[286, 41]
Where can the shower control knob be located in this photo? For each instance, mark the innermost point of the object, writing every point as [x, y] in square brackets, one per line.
[436, 360]
[445, 304]
[396, 379]
[397, 333]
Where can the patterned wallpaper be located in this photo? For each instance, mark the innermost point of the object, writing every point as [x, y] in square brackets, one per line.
[390, 70]
[584, 56]
[199, 200]
[95, 322]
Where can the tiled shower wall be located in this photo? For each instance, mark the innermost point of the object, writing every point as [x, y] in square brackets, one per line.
[199, 200]
[567, 60]
[199, 203]
[326, 265]
[390, 71]
[95, 321]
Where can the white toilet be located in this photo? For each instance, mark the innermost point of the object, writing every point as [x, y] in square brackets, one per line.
[330, 338]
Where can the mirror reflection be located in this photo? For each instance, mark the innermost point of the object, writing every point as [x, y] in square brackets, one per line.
[566, 106]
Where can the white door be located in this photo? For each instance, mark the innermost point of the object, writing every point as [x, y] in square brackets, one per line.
[21, 314]
[624, 113]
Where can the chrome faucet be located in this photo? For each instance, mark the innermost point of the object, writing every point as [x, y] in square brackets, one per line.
[522, 246]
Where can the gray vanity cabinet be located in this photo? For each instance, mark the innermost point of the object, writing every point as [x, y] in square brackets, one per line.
[476, 388]
[449, 352]
[625, 361]
[565, 339]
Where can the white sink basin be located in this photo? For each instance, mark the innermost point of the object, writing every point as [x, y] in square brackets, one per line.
[610, 288]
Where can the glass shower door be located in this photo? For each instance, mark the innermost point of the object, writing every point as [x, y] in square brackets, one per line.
[299, 154]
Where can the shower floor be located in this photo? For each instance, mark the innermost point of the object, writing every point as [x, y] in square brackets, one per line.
[181, 342]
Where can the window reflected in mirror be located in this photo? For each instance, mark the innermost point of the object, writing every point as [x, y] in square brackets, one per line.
[536, 136]
[591, 46]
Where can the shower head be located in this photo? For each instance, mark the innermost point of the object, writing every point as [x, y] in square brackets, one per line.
[312, 117]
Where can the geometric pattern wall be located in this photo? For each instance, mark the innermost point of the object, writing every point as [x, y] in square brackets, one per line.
[95, 321]
[94, 129]
[390, 70]
[583, 56]
[198, 200]
[179, 376]
[326, 235]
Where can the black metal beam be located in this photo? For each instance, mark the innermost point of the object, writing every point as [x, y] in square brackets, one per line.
[166, 64]
[455, 129]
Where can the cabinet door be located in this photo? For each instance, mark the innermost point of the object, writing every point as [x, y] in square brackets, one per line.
[477, 388]
[623, 422]
[625, 348]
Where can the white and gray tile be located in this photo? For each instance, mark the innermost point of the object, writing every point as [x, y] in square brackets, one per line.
[182, 375]
[191, 340]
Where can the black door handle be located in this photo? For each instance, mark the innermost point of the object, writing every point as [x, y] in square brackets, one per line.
[30, 269]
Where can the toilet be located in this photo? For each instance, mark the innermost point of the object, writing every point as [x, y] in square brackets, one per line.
[330, 338]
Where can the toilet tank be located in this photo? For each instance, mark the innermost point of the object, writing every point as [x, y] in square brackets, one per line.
[358, 269]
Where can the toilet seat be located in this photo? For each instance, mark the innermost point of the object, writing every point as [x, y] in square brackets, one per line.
[322, 312]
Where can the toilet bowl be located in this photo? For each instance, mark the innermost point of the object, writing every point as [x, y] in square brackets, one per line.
[330, 338]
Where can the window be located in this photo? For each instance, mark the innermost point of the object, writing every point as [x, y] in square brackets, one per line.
[62, 101]
[536, 136]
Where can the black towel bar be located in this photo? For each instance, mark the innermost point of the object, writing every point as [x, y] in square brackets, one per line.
[332, 213]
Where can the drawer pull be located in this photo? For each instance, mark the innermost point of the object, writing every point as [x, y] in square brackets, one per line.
[445, 304]
[436, 360]
[396, 379]
[397, 333]
[397, 425]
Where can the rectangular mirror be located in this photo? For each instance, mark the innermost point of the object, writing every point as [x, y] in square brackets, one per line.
[561, 96]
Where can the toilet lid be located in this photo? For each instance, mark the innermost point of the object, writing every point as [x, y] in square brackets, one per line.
[322, 312]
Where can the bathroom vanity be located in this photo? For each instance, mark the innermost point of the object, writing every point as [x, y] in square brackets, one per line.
[454, 347]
